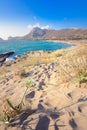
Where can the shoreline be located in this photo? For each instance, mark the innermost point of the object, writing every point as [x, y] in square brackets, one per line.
[75, 42]
[71, 42]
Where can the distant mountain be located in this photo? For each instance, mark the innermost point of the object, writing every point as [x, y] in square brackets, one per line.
[64, 34]
[14, 38]
[67, 34]
[36, 33]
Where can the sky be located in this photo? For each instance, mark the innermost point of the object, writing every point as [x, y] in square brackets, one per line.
[18, 17]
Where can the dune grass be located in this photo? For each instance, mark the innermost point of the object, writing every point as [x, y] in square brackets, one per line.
[10, 111]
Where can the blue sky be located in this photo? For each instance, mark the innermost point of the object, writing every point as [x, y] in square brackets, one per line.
[18, 17]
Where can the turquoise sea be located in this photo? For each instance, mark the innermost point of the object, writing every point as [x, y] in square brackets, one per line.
[22, 46]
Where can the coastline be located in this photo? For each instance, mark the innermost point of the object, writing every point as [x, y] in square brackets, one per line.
[75, 42]
[71, 42]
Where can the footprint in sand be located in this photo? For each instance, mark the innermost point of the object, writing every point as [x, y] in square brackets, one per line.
[43, 123]
[9, 92]
[30, 95]
[69, 95]
[82, 108]
[73, 124]
[71, 113]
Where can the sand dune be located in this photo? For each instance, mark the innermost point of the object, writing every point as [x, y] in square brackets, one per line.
[58, 101]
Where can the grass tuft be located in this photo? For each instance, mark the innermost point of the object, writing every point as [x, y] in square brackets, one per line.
[9, 110]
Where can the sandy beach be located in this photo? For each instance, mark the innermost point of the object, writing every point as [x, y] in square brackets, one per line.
[58, 100]
[74, 42]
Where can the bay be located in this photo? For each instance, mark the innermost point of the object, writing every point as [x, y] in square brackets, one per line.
[22, 46]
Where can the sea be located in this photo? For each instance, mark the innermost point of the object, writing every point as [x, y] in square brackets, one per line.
[22, 46]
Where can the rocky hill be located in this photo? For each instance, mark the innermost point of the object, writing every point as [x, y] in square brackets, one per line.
[64, 34]
[36, 33]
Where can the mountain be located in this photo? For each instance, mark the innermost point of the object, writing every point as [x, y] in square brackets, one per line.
[64, 34]
[67, 34]
[14, 38]
[36, 33]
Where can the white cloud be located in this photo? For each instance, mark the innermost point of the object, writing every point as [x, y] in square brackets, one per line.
[7, 30]
[30, 26]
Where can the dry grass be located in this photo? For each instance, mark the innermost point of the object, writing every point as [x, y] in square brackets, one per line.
[74, 67]
[20, 66]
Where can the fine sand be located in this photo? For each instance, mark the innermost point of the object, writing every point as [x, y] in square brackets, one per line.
[57, 101]
[74, 42]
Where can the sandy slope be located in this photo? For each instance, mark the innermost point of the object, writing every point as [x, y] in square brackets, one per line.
[58, 101]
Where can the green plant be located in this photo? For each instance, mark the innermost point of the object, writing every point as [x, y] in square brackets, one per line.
[82, 75]
[58, 55]
[82, 79]
[10, 111]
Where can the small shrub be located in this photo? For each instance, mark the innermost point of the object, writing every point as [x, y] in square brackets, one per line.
[82, 79]
[82, 75]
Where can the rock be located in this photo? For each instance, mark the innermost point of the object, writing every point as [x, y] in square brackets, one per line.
[4, 56]
[10, 59]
